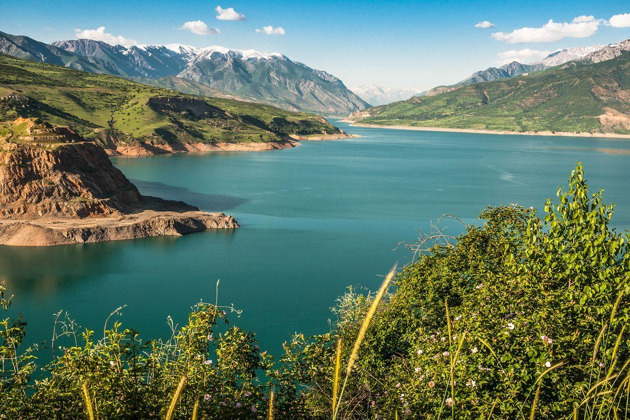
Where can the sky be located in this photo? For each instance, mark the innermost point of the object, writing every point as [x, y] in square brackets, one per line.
[396, 44]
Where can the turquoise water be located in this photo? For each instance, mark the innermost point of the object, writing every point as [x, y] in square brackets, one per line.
[315, 219]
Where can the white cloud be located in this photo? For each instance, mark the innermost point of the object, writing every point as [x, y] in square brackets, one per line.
[270, 30]
[485, 25]
[525, 56]
[620, 21]
[228, 14]
[99, 34]
[199, 27]
[580, 27]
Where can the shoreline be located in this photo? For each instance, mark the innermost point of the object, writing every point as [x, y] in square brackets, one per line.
[484, 131]
[53, 231]
[150, 149]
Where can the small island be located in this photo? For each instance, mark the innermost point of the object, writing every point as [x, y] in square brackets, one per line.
[57, 188]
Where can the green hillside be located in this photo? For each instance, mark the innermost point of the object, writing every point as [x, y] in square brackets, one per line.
[111, 109]
[575, 97]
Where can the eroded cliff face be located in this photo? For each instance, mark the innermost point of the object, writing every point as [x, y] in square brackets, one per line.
[62, 190]
[70, 180]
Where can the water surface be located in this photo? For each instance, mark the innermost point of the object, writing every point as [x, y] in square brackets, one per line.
[314, 219]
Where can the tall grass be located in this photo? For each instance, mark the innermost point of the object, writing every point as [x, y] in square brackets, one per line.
[171, 409]
[88, 401]
[364, 326]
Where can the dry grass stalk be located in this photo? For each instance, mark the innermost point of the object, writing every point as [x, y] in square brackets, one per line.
[337, 375]
[88, 401]
[361, 335]
[174, 401]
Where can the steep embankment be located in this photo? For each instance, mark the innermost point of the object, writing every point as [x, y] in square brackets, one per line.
[56, 188]
[573, 98]
[130, 118]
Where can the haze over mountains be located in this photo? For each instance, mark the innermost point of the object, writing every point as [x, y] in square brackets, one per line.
[377, 95]
[269, 78]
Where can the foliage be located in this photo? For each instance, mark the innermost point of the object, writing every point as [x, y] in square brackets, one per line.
[569, 98]
[521, 317]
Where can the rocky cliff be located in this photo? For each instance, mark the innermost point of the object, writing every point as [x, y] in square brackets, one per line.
[57, 190]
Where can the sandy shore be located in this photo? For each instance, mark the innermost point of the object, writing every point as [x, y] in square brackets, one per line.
[480, 131]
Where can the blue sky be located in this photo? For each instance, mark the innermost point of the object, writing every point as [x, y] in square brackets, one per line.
[417, 44]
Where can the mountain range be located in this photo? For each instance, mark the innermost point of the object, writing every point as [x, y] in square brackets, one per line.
[576, 97]
[269, 78]
[590, 54]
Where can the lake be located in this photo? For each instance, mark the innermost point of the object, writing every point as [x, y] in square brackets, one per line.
[315, 219]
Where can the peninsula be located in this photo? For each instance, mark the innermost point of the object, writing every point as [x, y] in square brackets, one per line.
[57, 188]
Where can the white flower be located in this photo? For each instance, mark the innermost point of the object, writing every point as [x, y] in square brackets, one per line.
[471, 383]
[450, 402]
[445, 354]
[510, 326]
[479, 286]
[420, 352]
[207, 362]
[547, 364]
[474, 349]
[418, 369]
[458, 318]
[112, 363]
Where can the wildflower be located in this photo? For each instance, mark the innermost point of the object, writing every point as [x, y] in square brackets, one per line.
[443, 339]
[547, 364]
[254, 409]
[112, 363]
[471, 383]
[546, 339]
[510, 326]
[420, 352]
[418, 369]
[431, 384]
[210, 337]
[238, 405]
[450, 402]
[224, 313]
[247, 393]
[455, 337]
[474, 349]
[479, 286]
[207, 362]
[407, 411]
[458, 318]
[445, 354]
[602, 364]
[372, 403]
[206, 397]
[398, 385]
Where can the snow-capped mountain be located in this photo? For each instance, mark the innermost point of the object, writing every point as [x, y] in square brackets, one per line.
[608, 52]
[568, 54]
[270, 78]
[377, 95]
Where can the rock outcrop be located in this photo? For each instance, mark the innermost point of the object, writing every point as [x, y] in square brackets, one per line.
[56, 189]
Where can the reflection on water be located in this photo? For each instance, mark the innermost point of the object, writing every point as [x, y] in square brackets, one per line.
[208, 202]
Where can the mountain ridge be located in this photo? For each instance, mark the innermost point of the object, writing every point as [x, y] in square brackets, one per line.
[270, 78]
